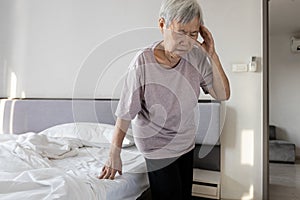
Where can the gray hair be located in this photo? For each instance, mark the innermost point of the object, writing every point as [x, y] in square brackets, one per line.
[182, 11]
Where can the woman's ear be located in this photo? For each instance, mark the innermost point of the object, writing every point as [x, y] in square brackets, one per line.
[161, 24]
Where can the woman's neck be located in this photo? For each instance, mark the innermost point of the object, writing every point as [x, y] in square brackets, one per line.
[165, 57]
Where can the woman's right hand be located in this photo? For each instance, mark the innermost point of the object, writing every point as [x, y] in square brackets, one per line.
[112, 166]
[114, 162]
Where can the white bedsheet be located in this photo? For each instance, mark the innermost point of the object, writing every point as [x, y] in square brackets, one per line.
[41, 167]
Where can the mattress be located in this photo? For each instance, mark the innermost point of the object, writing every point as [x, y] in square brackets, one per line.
[40, 166]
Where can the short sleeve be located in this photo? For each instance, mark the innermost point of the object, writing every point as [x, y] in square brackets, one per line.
[130, 101]
[207, 74]
[199, 59]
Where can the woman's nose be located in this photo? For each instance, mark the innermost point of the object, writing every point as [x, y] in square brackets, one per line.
[186, 41]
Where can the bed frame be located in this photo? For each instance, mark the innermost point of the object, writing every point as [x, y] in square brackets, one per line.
[34, 115]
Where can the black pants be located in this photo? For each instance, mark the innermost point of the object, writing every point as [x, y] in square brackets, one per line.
[171, 178]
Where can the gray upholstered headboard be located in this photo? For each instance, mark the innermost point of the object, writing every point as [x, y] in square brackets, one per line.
[35, 115]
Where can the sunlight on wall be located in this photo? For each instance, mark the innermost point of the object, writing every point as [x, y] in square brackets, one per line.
[4, 78]
[13, 85]
[23, 95]
[2, 106]
[250, 195]
[247, 147]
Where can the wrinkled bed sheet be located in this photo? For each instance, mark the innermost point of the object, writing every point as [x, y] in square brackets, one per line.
[39, 167]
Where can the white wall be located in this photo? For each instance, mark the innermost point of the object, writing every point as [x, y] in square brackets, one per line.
[53, 57]
[61, 47]
[237, 27]
[284, 89]
[5, 41]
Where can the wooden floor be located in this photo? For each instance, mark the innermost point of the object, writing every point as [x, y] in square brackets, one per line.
[284, 181]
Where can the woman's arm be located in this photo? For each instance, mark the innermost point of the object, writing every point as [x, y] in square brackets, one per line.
[221, 88]
[114, 162]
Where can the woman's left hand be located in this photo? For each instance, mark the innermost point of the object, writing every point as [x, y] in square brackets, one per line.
[208, 41]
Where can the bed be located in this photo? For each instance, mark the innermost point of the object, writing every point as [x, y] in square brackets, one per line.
[51, 151]
[55, 149]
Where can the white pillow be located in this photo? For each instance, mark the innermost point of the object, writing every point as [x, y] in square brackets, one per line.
[96, 133]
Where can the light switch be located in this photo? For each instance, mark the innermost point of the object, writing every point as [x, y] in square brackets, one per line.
[239, 68]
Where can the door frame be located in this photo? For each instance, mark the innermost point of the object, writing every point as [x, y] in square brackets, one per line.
[265, 125]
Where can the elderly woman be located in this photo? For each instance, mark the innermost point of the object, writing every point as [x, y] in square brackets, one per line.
[160, 95]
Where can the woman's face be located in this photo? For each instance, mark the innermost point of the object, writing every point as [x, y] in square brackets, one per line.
[179, 38]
